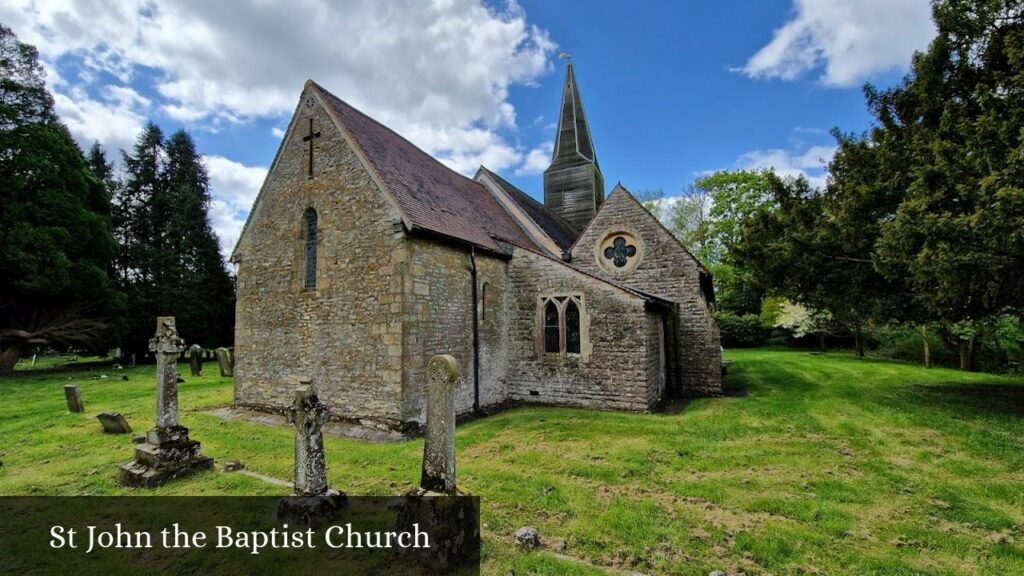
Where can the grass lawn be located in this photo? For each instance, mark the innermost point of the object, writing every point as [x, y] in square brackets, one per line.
[812, 464]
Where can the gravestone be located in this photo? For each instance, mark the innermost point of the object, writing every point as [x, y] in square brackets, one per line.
[313, 503]
[438, 507]
[114, 423]
[225, 362]
[438, 473]
[74, 399]
[168, 452]
[196, 359]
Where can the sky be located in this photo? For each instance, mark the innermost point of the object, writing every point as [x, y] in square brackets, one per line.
[673, 90]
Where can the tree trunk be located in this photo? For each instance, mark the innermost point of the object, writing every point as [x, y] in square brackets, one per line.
[821, 341]
[858, 342]
[967, 354]
[8, 358]
[975, 351]
[927, 347]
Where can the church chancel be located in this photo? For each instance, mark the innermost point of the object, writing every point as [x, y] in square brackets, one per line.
[363, 257]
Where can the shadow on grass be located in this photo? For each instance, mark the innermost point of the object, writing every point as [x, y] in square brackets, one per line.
[978, 397]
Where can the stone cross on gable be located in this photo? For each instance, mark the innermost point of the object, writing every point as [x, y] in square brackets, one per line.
[438, 473]
[309, 138]
[309, 415]
[167, 346]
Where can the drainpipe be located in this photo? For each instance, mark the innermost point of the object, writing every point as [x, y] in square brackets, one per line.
[476, 332]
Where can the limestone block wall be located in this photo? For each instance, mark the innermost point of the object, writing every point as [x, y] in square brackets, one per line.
[665, 269]
[613, 372]
[438, 294]
[656, 362]
[346, 334]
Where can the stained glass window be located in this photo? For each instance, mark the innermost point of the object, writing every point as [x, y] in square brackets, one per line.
[552, 337]
[572, 328]
[620, 252]
[311, 233]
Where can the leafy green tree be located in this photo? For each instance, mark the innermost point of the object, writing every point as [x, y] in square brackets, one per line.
[55, 237]
[953, 131]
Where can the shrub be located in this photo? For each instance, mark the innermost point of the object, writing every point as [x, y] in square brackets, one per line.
[744, 331]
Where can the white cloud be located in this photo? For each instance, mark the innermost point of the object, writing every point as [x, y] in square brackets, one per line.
[115, 119]
[809, 163]
[851, 41]
[437, 72]
[537, 160]
[234, 187]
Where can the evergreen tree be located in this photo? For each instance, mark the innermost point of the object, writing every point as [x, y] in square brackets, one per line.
[139, 231]
[55, 237]
[199, 292]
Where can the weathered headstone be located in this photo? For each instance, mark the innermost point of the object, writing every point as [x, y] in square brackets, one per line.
[438, 474]
[195, 358]
[168, 452]
[449, 516]
[74, 399]
[114, 423]
[225, 362]
[313, 502]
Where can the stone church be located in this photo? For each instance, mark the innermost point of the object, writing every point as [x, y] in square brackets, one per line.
[363, 256]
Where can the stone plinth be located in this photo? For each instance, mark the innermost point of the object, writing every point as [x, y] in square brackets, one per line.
[167, 453]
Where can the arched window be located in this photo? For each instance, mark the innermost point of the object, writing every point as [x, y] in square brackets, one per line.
[552, 330]
[572, 328]
[311, 233]
[563, 331]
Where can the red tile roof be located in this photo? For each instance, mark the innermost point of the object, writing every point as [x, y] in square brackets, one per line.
[431, 196]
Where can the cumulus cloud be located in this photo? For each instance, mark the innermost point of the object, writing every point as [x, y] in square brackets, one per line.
[848, 41]
[234, 187]
[437, 72]
[114, 119]
[808, 162]
[537, 160]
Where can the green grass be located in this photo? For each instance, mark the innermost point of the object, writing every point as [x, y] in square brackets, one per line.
[812, 464]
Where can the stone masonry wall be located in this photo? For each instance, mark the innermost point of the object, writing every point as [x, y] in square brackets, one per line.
[438, 293]
[612, 374]
[666, 270]
[346, 334]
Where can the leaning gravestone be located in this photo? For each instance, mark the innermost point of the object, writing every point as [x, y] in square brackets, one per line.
[195, 359]
[168, 452]
[114, 423]
[74, 399]
[449, 516]
[313, 503]
[225, 362]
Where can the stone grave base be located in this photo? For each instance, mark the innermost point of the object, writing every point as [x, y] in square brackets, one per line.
[167, 453]
[452, 522]
[311, 511]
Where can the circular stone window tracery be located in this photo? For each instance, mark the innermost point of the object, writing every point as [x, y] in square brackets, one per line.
[619, 252]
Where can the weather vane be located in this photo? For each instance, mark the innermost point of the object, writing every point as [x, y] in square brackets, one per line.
[565, 56]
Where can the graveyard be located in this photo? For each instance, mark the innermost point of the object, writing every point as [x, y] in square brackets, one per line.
[808, 464]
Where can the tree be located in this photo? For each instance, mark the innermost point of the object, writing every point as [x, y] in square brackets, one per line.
[55, 237]
[955, 127]
[140, 216]
[733, 197]
[199, 291]
[170, 263]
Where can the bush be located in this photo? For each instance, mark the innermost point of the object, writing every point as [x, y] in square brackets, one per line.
[744, 331]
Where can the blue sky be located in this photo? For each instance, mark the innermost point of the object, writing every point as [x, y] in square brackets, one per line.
[672, 89]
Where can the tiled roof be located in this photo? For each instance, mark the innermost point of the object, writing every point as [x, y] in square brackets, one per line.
[554, 226]
[430, 195]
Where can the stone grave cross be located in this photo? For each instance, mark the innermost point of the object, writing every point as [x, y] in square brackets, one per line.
[167, 346]
[309, 415]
